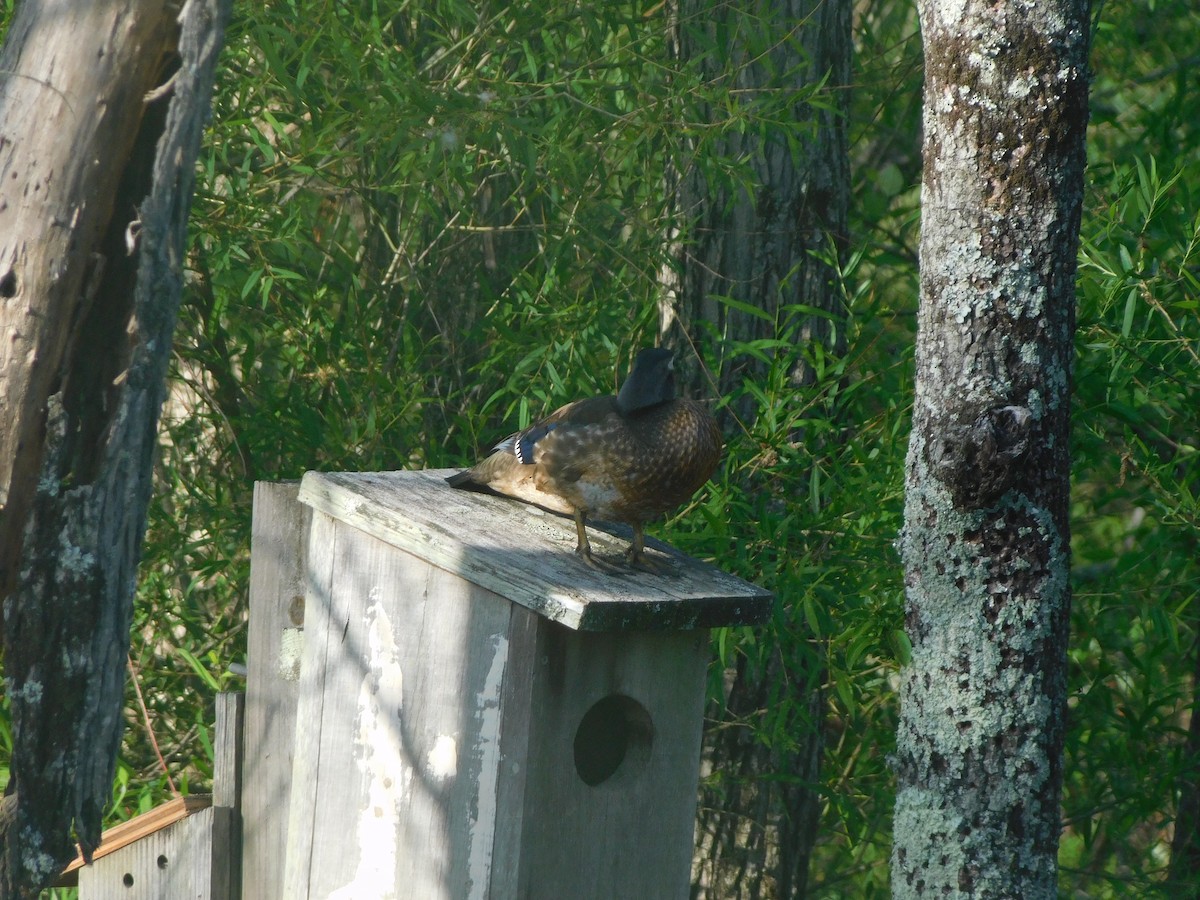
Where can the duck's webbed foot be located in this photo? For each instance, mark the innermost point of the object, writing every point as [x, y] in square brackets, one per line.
[584, 548]
[636, 554]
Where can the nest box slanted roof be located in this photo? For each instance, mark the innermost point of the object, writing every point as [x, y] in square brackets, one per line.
[523, 554]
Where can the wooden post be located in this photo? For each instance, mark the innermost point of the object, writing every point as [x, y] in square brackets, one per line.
[278, 553]
[481, 715]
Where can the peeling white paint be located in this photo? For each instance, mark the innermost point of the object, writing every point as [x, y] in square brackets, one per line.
[482, 829]
[291, 653]
[386, 776]
[442, 760]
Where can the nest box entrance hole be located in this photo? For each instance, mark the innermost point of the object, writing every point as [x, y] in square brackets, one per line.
[615, 734]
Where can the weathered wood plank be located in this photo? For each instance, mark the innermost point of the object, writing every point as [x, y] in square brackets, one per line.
[481, 715]
[227, 793]
[614, 757]
[173, 863]
[225, 836]
[279, 551]
[398, 746]
[80, 316]
[320, 625]
[71, 100]
[120, 836]
[516, 712]
[227, 750]
[525, 554]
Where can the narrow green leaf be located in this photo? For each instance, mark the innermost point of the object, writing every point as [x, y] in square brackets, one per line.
[1130, 308]
[199, 668]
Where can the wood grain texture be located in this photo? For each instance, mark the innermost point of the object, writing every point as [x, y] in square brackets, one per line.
[320, 623]
[120, 836]
[481, 715]
[220, 835]
[516, 708]
[227, 788]
[438, 732]
[397, 741]
[525, 554]
[73, 79]
[278, 557]
[187, 860]
[227, 750]
[630, 834]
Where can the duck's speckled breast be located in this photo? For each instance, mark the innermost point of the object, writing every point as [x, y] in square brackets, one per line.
[636, 468]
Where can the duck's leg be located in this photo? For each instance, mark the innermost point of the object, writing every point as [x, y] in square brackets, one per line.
[637, 547]
[584, 547]
[636, 554]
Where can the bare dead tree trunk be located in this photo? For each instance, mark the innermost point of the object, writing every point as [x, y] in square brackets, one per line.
[72, 78]
[92, 314]
[773, 242]
[986, 541]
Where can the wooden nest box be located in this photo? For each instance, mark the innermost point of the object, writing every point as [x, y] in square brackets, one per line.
[476, 713]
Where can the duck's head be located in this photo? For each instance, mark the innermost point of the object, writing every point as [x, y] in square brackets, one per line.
[651, 382]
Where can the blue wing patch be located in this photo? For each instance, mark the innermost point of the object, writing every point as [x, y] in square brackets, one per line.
[521, 444]
[524, 442]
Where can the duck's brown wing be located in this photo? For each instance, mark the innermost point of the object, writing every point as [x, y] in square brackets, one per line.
[530, 464]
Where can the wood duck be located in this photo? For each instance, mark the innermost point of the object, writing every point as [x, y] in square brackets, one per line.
[629, 458]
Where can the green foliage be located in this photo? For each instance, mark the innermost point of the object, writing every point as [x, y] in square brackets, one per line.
[394, 277]
[415, 230]
[1136, 472]
[1137, 526]
[789, 515]
[419, 226]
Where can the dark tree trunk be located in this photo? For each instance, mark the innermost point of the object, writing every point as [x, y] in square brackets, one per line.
[1185, 842]
[67, 619]
[986, 541]
[773, 241]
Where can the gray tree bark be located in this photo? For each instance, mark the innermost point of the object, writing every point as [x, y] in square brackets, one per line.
[91, 315]
[72, 76]
[986, 541]
[775, 242]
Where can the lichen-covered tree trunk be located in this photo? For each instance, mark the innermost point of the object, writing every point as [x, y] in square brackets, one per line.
[986, 543]
[772, 238]
[92, 262]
